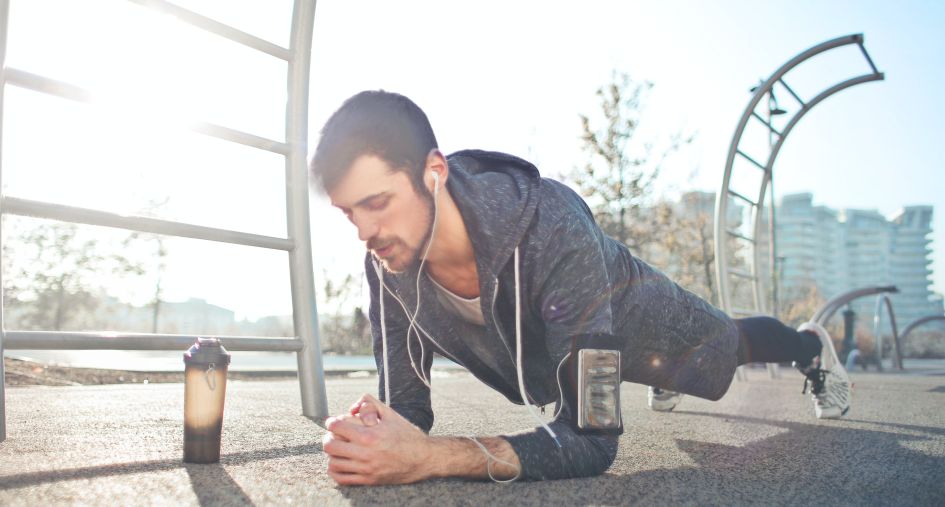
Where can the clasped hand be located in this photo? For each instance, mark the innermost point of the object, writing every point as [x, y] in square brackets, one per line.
[375, 445]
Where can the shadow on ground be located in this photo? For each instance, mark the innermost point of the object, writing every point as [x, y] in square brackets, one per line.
[806, 464]
[208, 480]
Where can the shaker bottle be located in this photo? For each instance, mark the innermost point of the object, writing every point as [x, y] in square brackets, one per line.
[204, 392]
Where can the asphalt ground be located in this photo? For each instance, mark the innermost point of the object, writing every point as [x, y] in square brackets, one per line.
[760, 444]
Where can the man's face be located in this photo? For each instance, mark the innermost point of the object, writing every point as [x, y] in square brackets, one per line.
[392, 218]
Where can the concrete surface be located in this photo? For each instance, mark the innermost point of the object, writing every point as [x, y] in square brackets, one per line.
[121, 445]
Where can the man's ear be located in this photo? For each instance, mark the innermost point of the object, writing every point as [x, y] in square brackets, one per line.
[436, 164]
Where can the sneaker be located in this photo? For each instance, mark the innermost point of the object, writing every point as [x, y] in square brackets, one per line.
[662, 400]
[830, 385]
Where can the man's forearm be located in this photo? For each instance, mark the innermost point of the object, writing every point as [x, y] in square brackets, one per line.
[461, 457]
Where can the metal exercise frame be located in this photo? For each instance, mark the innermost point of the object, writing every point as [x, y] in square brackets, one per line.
[825, 312]
[306, 342]
[724, 259]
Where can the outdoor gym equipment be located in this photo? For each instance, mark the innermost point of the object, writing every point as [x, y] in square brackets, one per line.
[297, 243]
[732, 271]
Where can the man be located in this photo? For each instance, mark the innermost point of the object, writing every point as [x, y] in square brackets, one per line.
[477, 257]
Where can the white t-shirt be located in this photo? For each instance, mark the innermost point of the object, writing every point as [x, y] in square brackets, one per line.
[469, 310]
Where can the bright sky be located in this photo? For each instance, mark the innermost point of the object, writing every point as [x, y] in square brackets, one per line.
[510, 76]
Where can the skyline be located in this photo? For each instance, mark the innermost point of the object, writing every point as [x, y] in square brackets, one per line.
[513, 82]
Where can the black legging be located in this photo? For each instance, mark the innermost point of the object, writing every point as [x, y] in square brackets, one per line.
[767, 340]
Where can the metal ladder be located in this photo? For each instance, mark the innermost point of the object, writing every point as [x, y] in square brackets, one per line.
[735, 272]
[297, 242]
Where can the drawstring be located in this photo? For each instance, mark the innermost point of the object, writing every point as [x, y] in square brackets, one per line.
[380, 275]
[520, 362]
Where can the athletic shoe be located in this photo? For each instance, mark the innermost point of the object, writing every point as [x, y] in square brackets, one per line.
[662, 400]
[831, 388]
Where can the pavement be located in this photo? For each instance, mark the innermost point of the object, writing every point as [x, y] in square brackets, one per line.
[759, 445]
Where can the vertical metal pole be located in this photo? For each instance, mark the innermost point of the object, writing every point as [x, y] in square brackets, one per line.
[4, 22]
[304, 311]
[772, 242]
[849, 340]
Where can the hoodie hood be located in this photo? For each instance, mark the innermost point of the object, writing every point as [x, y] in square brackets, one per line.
[497, 195]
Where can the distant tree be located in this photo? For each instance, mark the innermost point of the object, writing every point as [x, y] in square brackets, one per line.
[55, 276]
[686, 248]
[156, 263]
[800, 303]
[345, 328]
[619, 175]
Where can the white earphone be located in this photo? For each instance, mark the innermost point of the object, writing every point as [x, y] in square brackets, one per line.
[436, 180]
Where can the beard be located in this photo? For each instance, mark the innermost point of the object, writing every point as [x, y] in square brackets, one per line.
[408, 256]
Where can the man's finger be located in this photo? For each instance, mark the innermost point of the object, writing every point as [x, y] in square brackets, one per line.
[347, 466]
[347, 427]
[382, 409]
[368, 412]
[336, 446]
[350, 479]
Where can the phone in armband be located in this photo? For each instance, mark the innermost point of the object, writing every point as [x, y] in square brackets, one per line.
[598, 391]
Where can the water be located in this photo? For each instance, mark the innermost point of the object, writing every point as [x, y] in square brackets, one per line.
[160, 360]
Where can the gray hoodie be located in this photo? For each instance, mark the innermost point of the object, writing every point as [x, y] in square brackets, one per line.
[574, 281]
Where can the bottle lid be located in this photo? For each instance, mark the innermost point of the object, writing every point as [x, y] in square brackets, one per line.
[206, 351]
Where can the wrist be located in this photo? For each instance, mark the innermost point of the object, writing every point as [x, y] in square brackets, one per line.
[434, 461]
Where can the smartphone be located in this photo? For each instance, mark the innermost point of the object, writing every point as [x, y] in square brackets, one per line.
[598, 392]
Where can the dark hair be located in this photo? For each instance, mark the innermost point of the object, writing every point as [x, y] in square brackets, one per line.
[384, 124]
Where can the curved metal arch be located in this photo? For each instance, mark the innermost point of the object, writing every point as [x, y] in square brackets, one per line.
[918, 322]
[877, 320]
[825, 312]
[776, 149]
[721, 229]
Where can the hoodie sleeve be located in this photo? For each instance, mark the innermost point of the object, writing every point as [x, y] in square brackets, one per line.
[574, 286]
[578, 455]
[573, 298]
[410, 396]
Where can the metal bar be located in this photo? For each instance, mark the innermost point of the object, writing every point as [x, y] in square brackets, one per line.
[758, 289]
[867, 56]
[918, 322]
[38, 209]
[37, 83]
[767, 124]
[239, 137]
[4, 22]
[69, 91]
[823, 314]
[739, 235]
[59, 340]
[742, 197]
[741, 273]
[877, 319]
[215, 27]
[791, 91]
[753, 161]
[304, 311]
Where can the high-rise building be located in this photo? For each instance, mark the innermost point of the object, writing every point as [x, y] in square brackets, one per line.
[840, 250]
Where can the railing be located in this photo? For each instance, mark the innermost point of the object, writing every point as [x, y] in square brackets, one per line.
[297, 243]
